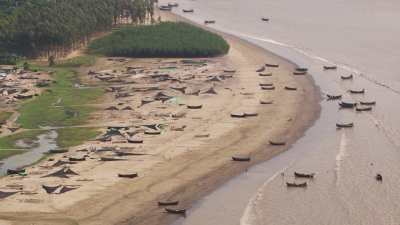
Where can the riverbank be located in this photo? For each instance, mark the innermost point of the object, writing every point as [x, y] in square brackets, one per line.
[194, 166]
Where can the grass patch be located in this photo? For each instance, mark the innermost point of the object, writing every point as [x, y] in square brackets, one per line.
[69, 137]
[167, 39]
[8, 145]
[4, 116]
[84, 60]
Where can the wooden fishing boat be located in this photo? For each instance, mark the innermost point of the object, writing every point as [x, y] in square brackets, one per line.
[268, 88]
[299, 72]
[347, 105]
[15, 171]
[57, 151]
[262, 69]
[76, 159]
[250, 114]
[187, 10]
[347, 77]
[129, 175]
[362, 91]
[266, 84]
[334, 97]
[289, 184]
[265, 19]
[265, 74]
[175, 211]
[152, 132]
[266, 102]
[304, 175]
[135, 141]
[238, 115]
[362, 109]
[209, 21]
[173, 4]
[167, 203]
[344, 125]
[290, 88]
[271, 65]
[165, 8]
[194, 106]
[368, 103]
[229, 71]
[277, 143]
[302, 69]
[330, 67]
[241, 159]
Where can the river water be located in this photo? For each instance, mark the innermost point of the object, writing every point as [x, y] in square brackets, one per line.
[361, 37]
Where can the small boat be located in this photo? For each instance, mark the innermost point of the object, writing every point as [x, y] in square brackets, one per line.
[209, 21]
[135, 141]
[15, 171]
[344, 125]
[229, 71]
[289, 184]
[299, 72]
[362, 91]
[238, 115]
[166, 203]
[334, 97]
[194, 106]
[266, 102]
[268, 88]
[176, 211]
[152, 132]
[110, 159]
[378, 177]
[301, 69]
[304, 175]
[240, 159]
[165, 8]
[368, 103]
[262, 69]
[347, 105]
[249, 114]
[290, 88]
[271, 65]
[131, 175]
[173, 4]
[265, 19]
[187, 10]
[57, 151]
[347, 77]
[277, 143]
[362, 109]
[266, 84]
[330, 67]
[76, 159]
[265, 74]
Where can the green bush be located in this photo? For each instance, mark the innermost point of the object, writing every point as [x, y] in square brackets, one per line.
[166, 39]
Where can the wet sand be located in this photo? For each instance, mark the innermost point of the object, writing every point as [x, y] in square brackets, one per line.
[185, 168]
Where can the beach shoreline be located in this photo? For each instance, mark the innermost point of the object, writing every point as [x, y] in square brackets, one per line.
[195, 174]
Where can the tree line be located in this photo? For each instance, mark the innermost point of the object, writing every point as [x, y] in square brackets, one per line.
[44, 28]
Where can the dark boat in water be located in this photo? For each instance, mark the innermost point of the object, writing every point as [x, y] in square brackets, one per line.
[265, 19]
[330, 67]
[334, 97]
[289, 184]
[271, 65]
[130, 175]
[347, 77]
[290, 88]
[277, 143]
[362, 91]
[176, 211]
[362, 109]
[347, 105]
[241, 159]
[167, 203]
[344, 125]
[15, 171]
[304, 175]
[368, 103]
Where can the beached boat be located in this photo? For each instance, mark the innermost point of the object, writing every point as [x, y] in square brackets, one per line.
[238, 115]
[344, 125]
[135, 141]
[266, 84]
[57, 151]
[15, 171]
[194, 106]
[262, 69]
[290, 88]
[152, 132]
[268, 88]
[299, 73]
[262, 102]
[271, 65]
[187, 10]
[229, 71]
[165, 8]
[347, 105]
[302, 69]
[76, 159]
[167, 203]
[265, 74]
[367, 103]
[334, 97]
[209, 21]
[289, 184]
[277, 143]
[265, 19]
[175, 211]
[330, 67]
[250, 114]
[304, 175]
[362, 91]
[173, 4]
[240, 159]
[361, 109]
[128, 175]
[347, 77]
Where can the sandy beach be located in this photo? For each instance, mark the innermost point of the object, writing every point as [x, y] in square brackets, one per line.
[179, 164]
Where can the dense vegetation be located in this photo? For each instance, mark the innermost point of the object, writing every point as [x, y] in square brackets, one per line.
[53, 27]
[166, 39]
